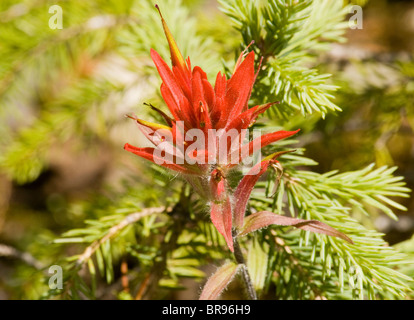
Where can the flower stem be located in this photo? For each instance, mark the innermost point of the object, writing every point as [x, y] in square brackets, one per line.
[238, 255]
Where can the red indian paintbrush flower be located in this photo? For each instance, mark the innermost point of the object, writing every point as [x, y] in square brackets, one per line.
[209, 114]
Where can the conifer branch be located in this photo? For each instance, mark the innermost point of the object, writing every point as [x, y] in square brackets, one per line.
[113, 231]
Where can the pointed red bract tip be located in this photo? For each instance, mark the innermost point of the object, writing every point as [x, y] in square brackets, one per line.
[251, 43]
[176, 56]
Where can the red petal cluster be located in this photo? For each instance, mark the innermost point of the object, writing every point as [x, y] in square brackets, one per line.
[195, 104]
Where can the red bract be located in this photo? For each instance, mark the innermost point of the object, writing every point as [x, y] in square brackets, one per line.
[195, 104]
[203, 115]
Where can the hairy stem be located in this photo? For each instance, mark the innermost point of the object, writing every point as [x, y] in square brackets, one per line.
[238, 255]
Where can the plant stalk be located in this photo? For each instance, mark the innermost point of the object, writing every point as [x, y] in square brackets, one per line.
[238, 255]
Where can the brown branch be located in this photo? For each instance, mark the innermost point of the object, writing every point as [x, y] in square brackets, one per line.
[8, 251]
[143, 287]
[124, 276]
[128, 220]
[179, 217]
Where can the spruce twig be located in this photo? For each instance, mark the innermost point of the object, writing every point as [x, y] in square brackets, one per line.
[128, 220]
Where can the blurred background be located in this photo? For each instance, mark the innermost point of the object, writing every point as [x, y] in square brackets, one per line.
[64, 94]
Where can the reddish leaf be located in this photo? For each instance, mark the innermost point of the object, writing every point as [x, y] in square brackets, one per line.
[219, 281]
[217, 185]
[148, 153]
[172, 104]
[209, 94]
[265, 218]
[264, 140]
[220, 86]
[219, 107]
[183, 79]
[221, 214]
[239, 87]
[269, 138]
[247, 118]
[244, 189]
[200, 105]
[167, 76]
[242, 56]
[187, 113]
[246, 185]
[221, 218]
